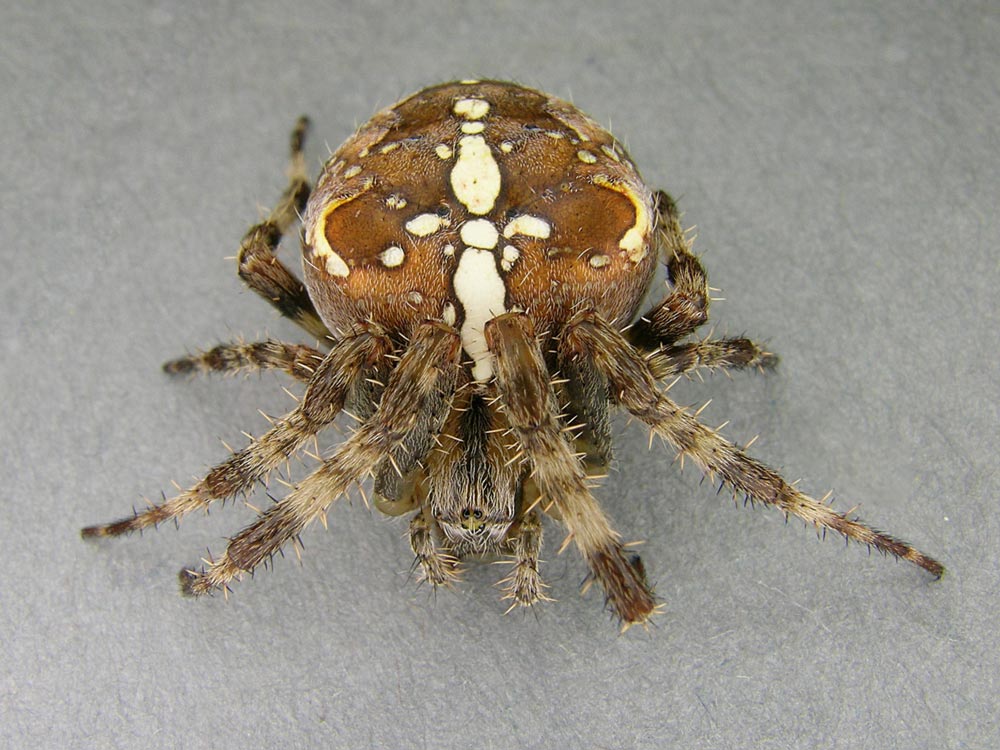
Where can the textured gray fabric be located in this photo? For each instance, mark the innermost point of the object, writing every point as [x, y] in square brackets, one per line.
[840, 162]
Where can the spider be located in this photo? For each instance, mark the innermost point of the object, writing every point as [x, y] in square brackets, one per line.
[474, 260]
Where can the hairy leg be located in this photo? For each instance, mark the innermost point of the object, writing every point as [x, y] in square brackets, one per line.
[323, 400]
[257, 262]
[686, 307]
[726, 354]
[524, 585]
[631, 378]
[437, 565]
[397, 478]
[527, 398]
[427, 364]
[297, 360]
[586, 389]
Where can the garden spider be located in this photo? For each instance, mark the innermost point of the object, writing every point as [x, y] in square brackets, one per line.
[474, 259]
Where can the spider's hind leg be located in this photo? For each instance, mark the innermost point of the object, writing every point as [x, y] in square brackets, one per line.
[684, 309]
[723, 354]
[297, 360]
[257, 261]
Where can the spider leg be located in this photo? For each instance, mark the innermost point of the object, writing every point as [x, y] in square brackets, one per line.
[397, 478]
[257, 262]
[587, 391]
[426, 364]
[437, 565]
[323, 400]
[297, 360]
[712, 354]
[686, 307]
[524, 585]
[631, 378]
[527, 397]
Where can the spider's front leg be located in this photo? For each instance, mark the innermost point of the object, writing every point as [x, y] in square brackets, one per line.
[684, 309]
[527, 397]
[524, 585]
[257, 262]
[630, 377]
[329, 387]
[437, 566]
[427, 365]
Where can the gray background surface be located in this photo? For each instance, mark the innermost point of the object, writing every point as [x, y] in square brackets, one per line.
[840, 162]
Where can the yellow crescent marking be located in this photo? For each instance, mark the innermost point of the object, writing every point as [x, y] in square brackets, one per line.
[334, 264]
[633, 242]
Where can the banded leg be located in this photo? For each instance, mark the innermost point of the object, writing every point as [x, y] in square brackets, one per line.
[398, 476]
[589, 402]
[437, 566]
[686, 307]
[428, 361]
[631, 378]
[524, 585]
[297, 360]
[323, 400]
[257, 262]
[727, 354]
[527, 398]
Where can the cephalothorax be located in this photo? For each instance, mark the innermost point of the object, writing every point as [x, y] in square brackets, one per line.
[474, 260]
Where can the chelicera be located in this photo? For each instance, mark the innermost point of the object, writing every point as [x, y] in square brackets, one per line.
[474, 261]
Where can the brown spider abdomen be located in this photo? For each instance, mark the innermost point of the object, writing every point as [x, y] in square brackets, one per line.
[469, 200]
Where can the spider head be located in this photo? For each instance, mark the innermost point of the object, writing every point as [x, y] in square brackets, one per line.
[474, 530]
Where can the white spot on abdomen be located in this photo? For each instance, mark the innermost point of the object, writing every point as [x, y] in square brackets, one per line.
[392, 256]
[480, 233]
[529, 226]
[423, 225]
[475, 178]
[471, 109]
[509, 258]
[448, 313]
[481, 292]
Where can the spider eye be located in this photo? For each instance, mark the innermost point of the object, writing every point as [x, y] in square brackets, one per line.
[473, 520]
